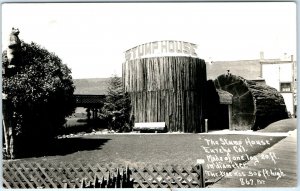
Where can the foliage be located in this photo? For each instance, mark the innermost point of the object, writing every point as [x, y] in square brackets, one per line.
[117, 106]
[39, 91]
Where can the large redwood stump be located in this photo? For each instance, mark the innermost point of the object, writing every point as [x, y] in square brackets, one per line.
[254, 106]
[167, 89]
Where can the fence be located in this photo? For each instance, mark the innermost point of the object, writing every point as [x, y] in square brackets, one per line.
[77, 175]
[168, 176]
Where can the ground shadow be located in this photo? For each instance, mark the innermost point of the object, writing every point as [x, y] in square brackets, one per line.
[63, 147]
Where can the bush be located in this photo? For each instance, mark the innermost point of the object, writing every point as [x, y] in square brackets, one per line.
[117, 106]
[39, 93]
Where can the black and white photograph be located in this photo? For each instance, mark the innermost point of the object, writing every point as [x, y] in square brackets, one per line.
[149, 95]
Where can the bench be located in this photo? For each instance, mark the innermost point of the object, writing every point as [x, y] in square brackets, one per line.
[150, 127]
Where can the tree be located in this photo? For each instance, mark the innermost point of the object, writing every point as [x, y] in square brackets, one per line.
[117, 106]
[39, 95]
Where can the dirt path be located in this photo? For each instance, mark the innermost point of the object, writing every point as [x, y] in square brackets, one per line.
[281, 126]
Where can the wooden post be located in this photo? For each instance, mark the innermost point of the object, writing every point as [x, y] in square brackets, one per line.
[201, 178]
[206, 125]
[12, 146]
[9, 131]
[5, 125]
[88, 113]
[5, 132]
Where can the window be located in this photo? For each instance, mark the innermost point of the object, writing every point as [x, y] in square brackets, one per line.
[285, 87]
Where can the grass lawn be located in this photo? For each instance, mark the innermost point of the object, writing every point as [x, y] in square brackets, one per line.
[144, 149]
[141, 149]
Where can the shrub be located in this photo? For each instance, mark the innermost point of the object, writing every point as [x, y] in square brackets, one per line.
[117, 106]
[39, 93]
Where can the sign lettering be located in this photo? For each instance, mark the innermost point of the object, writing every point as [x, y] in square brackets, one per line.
[162, 48]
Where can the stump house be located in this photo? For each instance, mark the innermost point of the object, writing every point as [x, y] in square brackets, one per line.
[166, 81]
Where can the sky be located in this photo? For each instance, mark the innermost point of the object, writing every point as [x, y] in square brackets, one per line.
[92, 38]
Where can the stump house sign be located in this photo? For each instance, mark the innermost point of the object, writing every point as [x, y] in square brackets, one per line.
[162, 48]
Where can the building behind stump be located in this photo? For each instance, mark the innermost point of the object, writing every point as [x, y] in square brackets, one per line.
[167, 89]
[254, 106]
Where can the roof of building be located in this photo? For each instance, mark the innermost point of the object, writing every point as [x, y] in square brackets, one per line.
[91, 86]
[248, 69]
[89, 100]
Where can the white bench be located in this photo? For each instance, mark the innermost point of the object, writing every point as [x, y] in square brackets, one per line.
[150, 126]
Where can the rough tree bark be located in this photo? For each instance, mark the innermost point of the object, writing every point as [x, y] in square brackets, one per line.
[167, 89]
[254, 105]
